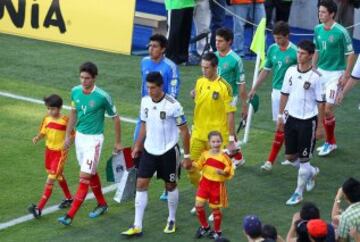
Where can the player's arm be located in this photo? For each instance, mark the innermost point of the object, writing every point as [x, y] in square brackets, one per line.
[69, 128]
[185, 135]
[348, 86]
[315, 59]
[243, 98]
[139, 143]
[263, 73]
[37, 138]
[350, 63]
[117, 130]
[285, 92]
[261, 78]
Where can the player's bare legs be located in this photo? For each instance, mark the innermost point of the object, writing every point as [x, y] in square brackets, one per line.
[329, 126]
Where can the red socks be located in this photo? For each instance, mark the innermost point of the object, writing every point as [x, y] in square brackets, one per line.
[276, 146]
[217, 220]
[46, 195]
[96, 188]
[200, 212]
[329, 126]
[79, 196]
[64, 187]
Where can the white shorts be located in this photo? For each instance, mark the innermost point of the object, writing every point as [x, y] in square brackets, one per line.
[88, 150]
[330, 81]
[275, 103]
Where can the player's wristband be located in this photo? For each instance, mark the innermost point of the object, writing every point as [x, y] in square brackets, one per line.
[231, 138]
[280, 115]
[186, 156]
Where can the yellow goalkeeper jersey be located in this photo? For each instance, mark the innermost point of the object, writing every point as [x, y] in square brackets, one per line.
[213, 102]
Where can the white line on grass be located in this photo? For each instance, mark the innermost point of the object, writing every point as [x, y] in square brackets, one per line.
[49, 210]
[38, 101]
[54, 208]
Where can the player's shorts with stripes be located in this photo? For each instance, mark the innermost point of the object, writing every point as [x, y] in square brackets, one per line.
[88, 151]
[54, 162]
[300, 136]
[166, 166]
[209, 191]
[330, 81]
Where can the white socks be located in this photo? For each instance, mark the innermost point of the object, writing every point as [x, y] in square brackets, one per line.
[141, 200]
[304, 174]
[173, 200]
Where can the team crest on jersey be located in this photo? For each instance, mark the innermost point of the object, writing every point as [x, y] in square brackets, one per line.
[307, 85]
[215, 95]
[92, 103]
[331, 38]
[225, 66]
[163, 115]
[287, 59]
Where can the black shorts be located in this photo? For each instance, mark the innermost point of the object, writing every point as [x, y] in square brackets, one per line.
[167, 165]
[300, 136]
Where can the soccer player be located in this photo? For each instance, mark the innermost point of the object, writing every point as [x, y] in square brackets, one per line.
[231, 67]
[53, 129]
[161, 119]
[303, 94]
[214, 111]
[215, 167]
[280, 56]
[355, 78]
[156, 61]
[89, 104]
[334, 58]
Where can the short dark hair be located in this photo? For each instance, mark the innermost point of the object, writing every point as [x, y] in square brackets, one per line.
[281, 28]
[215, 133]
[225, 33]
[307, 45]
[351, 189]
[210, 56]
[53, 101]
[330, 5]
[155, 77]
[90, 68]
[309, 211]
[161, 39]
[269, 232]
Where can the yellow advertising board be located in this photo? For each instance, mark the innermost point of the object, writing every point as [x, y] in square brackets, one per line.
[98, 24]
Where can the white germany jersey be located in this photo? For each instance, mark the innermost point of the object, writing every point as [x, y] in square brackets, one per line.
[304, 90]
[161, 120]
[356, 71]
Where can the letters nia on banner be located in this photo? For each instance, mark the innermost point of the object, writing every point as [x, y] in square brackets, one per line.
[97, 24]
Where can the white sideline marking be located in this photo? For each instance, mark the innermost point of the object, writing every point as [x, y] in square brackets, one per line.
[49, 210]
[38, 101]
[54, 208]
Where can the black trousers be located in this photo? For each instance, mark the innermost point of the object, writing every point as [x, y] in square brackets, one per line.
[282, 10]
[179, 31]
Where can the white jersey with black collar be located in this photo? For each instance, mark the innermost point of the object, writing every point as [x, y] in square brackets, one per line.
[304, 90]
[162, 119]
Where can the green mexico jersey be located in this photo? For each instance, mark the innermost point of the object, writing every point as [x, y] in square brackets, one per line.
[279, 60]
[90, 109]
[231, 69]
[332, 45]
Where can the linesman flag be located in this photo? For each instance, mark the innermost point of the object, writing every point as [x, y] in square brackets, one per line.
[257, 46]
[258, 42]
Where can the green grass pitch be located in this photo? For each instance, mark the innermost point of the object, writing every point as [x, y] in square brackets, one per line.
[35, 69]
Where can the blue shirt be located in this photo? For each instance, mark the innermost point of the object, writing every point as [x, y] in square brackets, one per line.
[167, 69]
